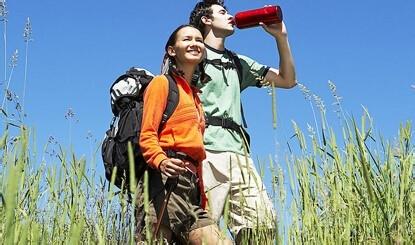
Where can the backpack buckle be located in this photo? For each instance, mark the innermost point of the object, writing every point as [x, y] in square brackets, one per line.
[223, 122]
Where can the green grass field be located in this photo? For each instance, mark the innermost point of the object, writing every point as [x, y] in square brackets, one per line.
[358, 189]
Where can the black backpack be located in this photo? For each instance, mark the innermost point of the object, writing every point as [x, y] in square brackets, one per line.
[127, 106]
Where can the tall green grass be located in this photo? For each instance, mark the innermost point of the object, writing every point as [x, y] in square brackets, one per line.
[350, 185]
[354, 189]
[359, 190]
[57, 202]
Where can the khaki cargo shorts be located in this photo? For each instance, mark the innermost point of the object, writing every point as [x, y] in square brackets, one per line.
[183, 212]
[233, 178]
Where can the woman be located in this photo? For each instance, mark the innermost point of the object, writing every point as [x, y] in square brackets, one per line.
[175, 150]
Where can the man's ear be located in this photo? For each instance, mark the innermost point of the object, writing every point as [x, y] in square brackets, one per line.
[171, 51]
[205, 20]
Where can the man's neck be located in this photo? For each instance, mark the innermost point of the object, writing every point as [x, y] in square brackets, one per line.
[215, 42]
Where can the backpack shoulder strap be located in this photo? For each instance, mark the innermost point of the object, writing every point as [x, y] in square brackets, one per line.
[238, 66]
[172, 99]
[237, 63]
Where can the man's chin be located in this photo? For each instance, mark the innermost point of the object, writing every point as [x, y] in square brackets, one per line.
[230, 32]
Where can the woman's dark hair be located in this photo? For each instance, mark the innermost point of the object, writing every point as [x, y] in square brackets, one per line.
[203, 9]
[169, 62]
[173, 36]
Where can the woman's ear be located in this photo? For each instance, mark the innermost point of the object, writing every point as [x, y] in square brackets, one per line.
[171, 51]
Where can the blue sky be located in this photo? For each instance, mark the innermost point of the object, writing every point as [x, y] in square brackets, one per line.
[80, 47]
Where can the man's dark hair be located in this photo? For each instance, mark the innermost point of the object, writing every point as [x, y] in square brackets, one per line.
[203, 9]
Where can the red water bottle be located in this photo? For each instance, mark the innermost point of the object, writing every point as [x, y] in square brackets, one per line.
[251, 18]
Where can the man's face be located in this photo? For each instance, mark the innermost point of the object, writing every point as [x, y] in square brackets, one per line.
[221, 20]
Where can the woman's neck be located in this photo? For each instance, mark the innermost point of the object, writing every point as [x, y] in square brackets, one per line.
[187, 72]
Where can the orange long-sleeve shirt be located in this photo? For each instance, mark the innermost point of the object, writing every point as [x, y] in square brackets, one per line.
[184, 129]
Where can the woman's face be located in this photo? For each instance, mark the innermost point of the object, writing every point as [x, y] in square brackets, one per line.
[188, 48]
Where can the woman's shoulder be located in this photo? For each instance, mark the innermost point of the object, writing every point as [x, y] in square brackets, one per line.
[158, 85]
[159, 78]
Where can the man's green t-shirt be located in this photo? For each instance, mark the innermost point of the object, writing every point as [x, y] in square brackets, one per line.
[221, 97]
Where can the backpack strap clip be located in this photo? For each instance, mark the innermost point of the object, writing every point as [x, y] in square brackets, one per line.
[228, 123]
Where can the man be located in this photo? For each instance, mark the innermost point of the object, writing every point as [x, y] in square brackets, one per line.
[229, 173]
